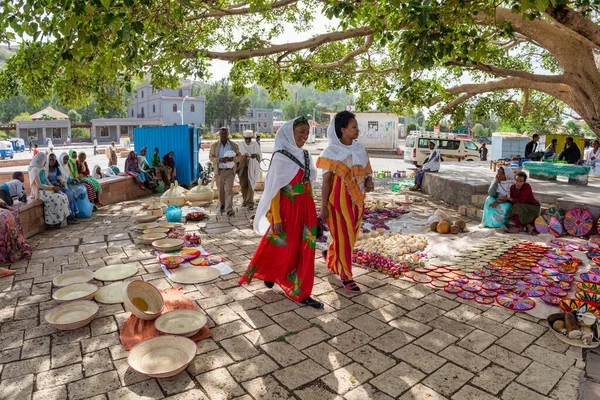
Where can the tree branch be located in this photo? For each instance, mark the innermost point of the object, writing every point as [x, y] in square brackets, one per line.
[525, 107]
[571, 115]
[351, 55]
[279, 48]
[237, 9]
[576, 22]
[505, 72]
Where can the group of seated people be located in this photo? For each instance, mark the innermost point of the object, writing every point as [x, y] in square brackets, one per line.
[571, 152]
[510, 202]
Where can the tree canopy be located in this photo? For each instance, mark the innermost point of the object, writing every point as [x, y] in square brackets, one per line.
[515, 60]
[222, 106]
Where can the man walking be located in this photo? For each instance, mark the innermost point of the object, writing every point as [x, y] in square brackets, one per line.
[248, 168]
[225, 154]
[95, 145]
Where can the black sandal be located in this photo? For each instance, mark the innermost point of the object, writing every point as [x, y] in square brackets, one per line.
[269, 284]
[309, 301]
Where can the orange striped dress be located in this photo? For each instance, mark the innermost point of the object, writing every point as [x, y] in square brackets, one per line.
[346, 207]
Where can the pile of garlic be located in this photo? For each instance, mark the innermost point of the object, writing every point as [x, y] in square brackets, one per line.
[392, 245]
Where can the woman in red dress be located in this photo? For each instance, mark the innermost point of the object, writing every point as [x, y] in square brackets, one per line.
[287, 217]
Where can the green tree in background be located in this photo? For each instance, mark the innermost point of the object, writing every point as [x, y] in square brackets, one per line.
[24, 116]
[572, 128]
[74, 116]
[222, 106]
[304, 108]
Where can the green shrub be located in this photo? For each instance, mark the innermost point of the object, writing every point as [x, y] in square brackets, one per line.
[237, 136]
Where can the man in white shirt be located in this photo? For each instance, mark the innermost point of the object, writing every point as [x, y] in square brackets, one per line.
[95, 145]
[225, 171]
[248, 168]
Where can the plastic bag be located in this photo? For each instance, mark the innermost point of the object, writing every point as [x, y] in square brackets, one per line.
[173, 213]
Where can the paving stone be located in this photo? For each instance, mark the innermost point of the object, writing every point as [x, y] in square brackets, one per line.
[351, 312]
[283, 353]
[506, 358]
[220, 384]
[514, 391]
[470, 393]
[516, 340]
[9, 356]
[498, 314]
[102, 326]
[347, 378]
[418, 291]
[465, 358]
[436, 340]
[539, 377]
[127, 375]
[300, 374]
[493, 379]
[370, 326]
[525, 326]
[463, 313]
[591, 391]
[97, 384]
[99, 361]
[267, 388]
[55, 393]
[11, 340]
[419, 358]
[279, 307]
[35, 347]
[291, 322]
[389, 383]
[239, 348]
[206, 362]
[406, 302]
[387, 313]
[66, 354]
[336, 300]
[265, 335]
[455, 328]
[60, 376]
[16, 388]
[410, 326]
[350, 340]
[147, 390]
[65, 337]
[489, 326]
[568, 386]
[231, 329]
[392, 341]
[370, 301]
[327, 356]
[255, 318]
[552, 359]
[176, 384]
[252, 368]
[549, 341]
[29, 366]
[477, 341]
[425, 313]
[330, 324]
[307, 338]
[317, 391]
[371, 359]
[100, 342]
[222, 314]
[448, 379]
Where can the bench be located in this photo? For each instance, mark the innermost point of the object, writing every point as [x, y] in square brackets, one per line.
[114, 190]
[577, 174]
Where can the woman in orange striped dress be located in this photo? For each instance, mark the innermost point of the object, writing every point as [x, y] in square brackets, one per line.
[347, 176]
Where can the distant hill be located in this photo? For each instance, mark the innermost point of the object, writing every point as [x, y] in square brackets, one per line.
[5, 52]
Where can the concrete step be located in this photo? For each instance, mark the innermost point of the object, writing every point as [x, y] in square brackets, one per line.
[478, 199]
[471, 212]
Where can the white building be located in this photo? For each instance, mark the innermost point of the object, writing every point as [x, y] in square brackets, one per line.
[378, 130]
[57, 127]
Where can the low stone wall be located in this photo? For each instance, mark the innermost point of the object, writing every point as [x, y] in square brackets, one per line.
[451, 188]
[15, 163]
[7, 176]
[114, 190]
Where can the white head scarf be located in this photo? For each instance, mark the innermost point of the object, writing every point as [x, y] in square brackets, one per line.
[248, 134]
[64, 168]
[95, 174]
[503, 187]
[433, 163]
[36, 165]
[338, 151]
[281, 172]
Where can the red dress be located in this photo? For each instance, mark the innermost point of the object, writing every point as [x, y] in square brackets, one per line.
[288, 259]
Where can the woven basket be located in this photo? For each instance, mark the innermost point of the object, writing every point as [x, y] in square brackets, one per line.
[72, 315]
[78, 291]
[150, 296]
[162, 356]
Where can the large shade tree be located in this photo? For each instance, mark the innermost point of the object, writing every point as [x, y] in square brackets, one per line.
[521, 59]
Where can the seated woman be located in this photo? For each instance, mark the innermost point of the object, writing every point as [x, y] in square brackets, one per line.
[431, 164]
[525, 208]
[132, 168]
[170, 162]
[84, 174]
[56, 179]
[162, 172]
[495, 209]
[56, 204]
[72, 166]
[79, 190]
[12, 241]
[550, 151]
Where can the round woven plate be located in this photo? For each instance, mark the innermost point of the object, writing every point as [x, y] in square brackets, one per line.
[166, 245]
[111, 294]
[143, 227]
[181, 322]
[148, 238]
[568, 305]
[466, 295]
[439, 284]
[145, 218]
[550, 299]
[554, 291]
[589, 298]
[422, 278]
[190, 254]
[484, 300]
[589, 287]
[578, 222]
[590, 278]
[72, 277]
[115, 272]
[72, 315]
[169, 225]
[513, 301]
[156, 230]
[78, 291]
[162, 356]
[196, 275]
[453, 289]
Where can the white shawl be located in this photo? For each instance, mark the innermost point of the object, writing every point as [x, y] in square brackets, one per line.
[37, 164]
[503, 187]
[253, 164]
[64, 168]
[433, 163]
[281, 172]
[338, 151]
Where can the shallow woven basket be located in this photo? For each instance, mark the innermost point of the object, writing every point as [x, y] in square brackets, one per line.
[149, 294]
[148, 238]
[166, 245]
[78, 291]
[181, 322]
[73, 277]
[72, 315]
[162, 356]
[146, 218]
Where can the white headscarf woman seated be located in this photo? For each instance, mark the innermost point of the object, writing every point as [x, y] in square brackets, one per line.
[432, 164]
[56, 204]
[495, 208]
[287, 217]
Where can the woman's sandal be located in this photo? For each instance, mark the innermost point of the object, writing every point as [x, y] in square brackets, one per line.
[351, 286]
[309, 301]
[324, 254]
[269, 284]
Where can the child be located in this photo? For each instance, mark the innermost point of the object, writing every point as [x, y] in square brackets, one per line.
[14, 189]
[35, 150]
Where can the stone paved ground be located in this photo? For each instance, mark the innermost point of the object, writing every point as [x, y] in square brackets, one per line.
[396, 340]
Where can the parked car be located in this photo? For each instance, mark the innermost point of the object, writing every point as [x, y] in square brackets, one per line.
[6, 149]
[451, 149]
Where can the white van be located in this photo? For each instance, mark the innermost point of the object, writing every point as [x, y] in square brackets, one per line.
[416, 149]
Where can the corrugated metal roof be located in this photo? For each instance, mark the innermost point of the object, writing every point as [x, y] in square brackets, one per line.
[51, 112]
